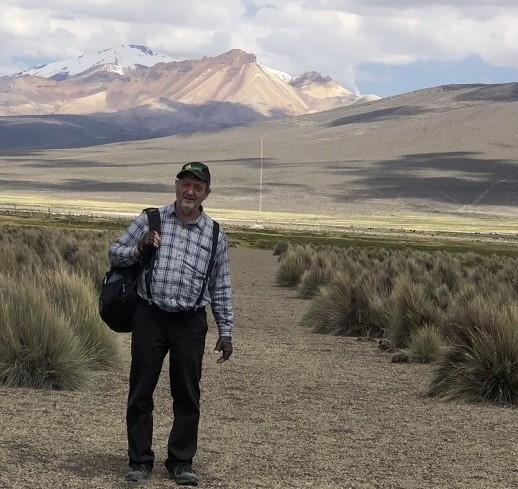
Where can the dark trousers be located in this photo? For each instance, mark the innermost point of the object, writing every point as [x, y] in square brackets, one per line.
[156, 333]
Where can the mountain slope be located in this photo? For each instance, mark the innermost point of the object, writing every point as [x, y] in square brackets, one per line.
[139, 97]
[445, 151]
[233, 77]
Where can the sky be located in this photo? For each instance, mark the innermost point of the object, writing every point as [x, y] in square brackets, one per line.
[375, 47]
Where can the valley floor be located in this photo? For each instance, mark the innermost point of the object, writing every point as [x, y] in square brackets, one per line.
[291, 409]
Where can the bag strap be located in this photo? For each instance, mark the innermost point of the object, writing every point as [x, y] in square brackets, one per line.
[153, 217]
[215, 235]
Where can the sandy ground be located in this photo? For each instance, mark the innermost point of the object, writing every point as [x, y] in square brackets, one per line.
[291, 409]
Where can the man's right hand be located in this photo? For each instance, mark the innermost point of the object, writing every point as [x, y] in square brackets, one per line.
[148, 241]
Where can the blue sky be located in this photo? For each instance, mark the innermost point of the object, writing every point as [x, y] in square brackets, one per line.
[368, 46]
[390, 80]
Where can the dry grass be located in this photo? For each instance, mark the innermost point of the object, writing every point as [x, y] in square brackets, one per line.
[292, 409]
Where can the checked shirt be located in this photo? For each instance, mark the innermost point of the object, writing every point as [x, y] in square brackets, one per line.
[181, 264]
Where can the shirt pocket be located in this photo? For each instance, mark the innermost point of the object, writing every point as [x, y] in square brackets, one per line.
[198, 261]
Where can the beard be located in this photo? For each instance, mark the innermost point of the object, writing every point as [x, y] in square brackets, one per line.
[188, 206]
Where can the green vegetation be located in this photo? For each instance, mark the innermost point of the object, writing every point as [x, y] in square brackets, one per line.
[482, 361]
[426, 345]
[241, 233]
[51, 335]
[457, 309]
[443, 300]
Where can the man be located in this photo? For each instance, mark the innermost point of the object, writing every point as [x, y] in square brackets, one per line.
[170, 322]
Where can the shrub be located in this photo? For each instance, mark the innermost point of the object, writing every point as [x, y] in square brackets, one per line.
[426, 344]
[37, 347]
[482, 364]
[293, 264]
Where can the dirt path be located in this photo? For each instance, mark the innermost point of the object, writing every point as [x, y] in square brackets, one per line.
[290, 410]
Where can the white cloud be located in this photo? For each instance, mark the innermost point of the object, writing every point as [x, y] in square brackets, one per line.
[334, 37]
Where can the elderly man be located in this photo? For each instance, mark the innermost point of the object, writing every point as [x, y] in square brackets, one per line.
[171, 318]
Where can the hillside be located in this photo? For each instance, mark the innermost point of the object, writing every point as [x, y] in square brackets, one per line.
[95, 100]
[446, 151]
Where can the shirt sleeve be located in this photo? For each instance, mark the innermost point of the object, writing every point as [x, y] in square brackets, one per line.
[121, 251]
[220, 289]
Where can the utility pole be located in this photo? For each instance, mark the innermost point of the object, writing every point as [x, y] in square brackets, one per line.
[261, 180]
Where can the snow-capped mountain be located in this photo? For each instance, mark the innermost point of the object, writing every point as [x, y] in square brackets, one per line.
[134, 93]
[118, 60]
[283, 76]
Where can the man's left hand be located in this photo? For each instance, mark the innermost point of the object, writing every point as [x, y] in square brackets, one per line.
[224, 346]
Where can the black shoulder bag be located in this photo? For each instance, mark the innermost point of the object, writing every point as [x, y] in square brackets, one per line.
[118, 296]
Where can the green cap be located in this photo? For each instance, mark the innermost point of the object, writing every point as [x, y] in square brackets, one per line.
[198, 169]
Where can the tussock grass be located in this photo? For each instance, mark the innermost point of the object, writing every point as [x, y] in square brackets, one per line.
[321, 270]
[331, 307]
[412, 310]
[458, 307]
[482, 363]
[426, 345]
[293, 263]
[37, 347]
[74, 294]
[342, 308]
[280, 248]
[51, 335]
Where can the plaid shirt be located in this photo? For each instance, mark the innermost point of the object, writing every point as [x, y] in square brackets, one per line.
[181, 264]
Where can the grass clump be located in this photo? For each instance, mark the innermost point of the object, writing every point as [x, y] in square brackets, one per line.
[313, 278]
[51, 335]
[280, 248]
[482, 363]
[426, 345]
[37, 347]
[342, 308]
[74, 294]
[459, 311]
[412, 309]
[330, 309]
[292, 264]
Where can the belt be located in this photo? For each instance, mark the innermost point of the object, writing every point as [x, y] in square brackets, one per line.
[188, 312]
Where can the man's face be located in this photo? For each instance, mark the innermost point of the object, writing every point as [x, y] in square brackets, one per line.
[190, 193]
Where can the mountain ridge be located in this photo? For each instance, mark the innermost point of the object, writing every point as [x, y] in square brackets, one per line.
[445, 152]
[228, 77]
[167, 97]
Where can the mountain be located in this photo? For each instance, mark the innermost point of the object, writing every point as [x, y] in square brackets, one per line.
[119, 60]
[140, 94]
[448, 152]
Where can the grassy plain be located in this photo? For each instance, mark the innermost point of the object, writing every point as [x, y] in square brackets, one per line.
[263, 230]
[291, 409]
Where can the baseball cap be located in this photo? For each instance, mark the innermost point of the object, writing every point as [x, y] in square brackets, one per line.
[198, 169]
